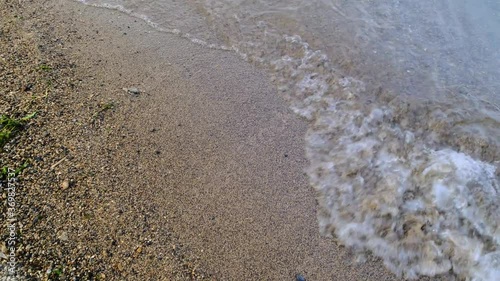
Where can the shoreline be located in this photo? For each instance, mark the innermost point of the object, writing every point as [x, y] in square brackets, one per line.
[199, 176]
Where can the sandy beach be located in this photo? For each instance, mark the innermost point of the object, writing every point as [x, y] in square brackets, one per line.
[153, 158]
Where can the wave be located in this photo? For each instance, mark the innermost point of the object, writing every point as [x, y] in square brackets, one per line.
[386, 186]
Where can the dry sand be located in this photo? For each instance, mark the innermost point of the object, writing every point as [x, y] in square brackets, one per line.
[201, 173]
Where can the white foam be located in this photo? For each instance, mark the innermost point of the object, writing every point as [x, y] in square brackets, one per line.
[423, 210]
[155, 26]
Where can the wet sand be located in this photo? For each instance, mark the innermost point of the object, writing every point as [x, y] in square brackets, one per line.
[201, 172]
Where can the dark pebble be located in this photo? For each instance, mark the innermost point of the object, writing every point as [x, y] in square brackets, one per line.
[28, 87]
[134, 91]
[299, 277]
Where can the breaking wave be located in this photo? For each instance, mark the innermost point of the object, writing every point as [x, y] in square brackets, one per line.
[388, 186]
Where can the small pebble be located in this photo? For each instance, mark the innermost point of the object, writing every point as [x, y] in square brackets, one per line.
[28, 87]
[134, 91]
[138, 251]
[299, 277]
[65, 184]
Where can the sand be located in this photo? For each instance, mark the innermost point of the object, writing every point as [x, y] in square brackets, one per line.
[199, 176]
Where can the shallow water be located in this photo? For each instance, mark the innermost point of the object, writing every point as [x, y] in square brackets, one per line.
[402, 99]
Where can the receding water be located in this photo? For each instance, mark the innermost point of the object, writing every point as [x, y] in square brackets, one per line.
[404, 111]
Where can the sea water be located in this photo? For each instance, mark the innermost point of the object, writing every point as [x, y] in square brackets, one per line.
[403, 104]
